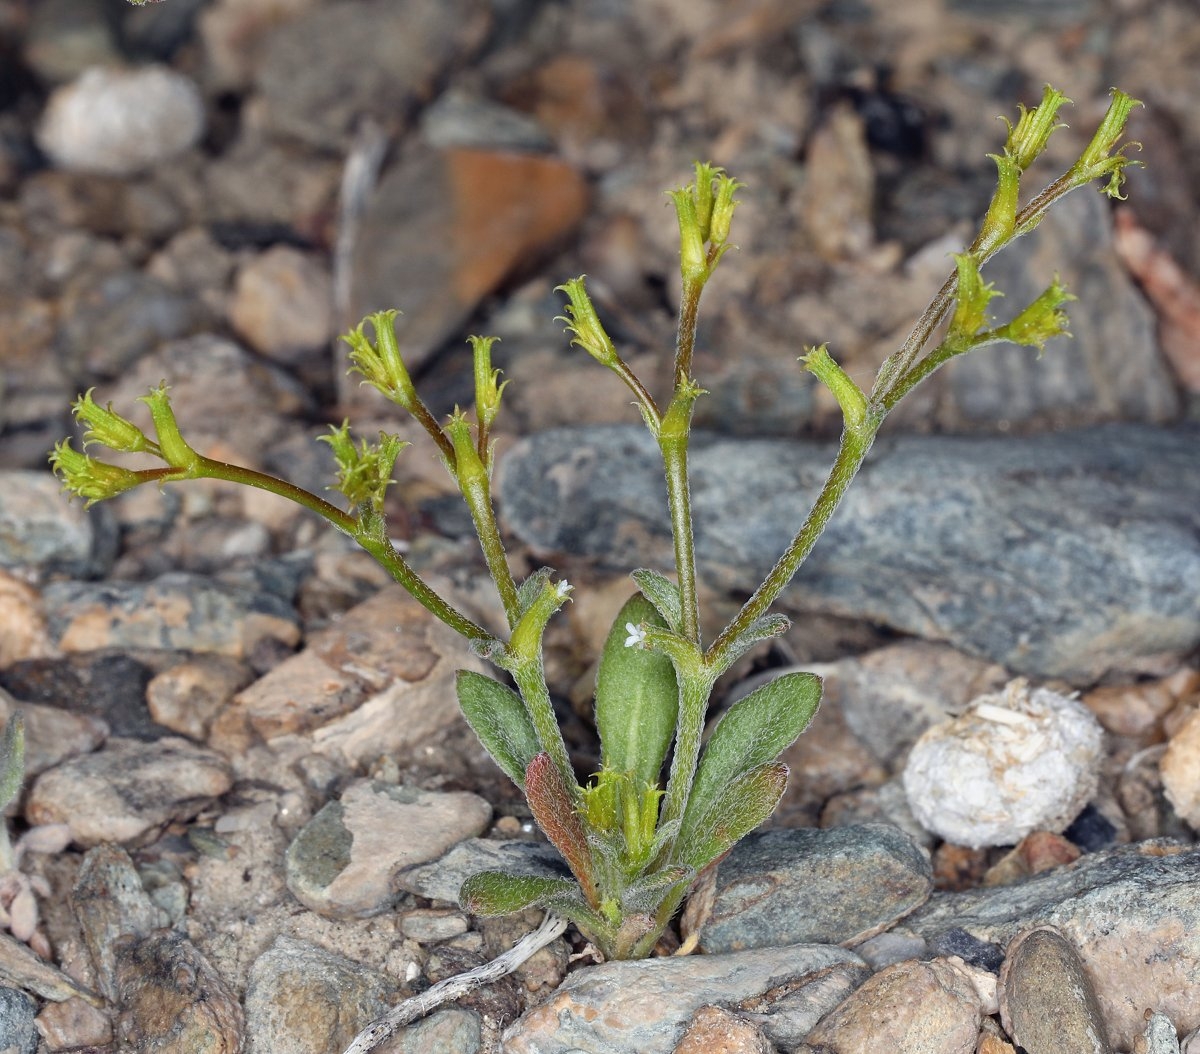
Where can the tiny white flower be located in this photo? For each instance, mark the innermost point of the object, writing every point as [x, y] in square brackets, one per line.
[637, 635]
[563, 588]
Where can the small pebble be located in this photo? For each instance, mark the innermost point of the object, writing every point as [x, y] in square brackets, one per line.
[185, 698]
[714, 1030]
[1160, 1036]
[119, 122]
[74, 1024]
[282, 304]
[933, 1007]
[1012, 763]
[1047, 1002]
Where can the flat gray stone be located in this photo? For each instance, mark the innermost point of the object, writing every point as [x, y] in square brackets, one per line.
[344, 861]
[795, 886]
[1065, 555]
[1132, 913]
[644, 1007]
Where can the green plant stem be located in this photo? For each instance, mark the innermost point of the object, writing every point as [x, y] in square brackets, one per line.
[378, 546]
[685, 334]
[645, 400]
[695, 687]
[477, 494]
[674, 455]
[530, 675]
[851, 453]
[673, 443]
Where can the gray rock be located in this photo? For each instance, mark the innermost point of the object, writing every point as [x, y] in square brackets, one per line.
[129, 790]
[176, 611]
[1133, 914]
[344, 861]
[323, 71]
[1109, 368]
[65, 37]
[1068, 555]
[450, 1031]
[443, 878]
[18, 1033]
[643, 1007]
[119, 122]
[42, 532]
[302, 999]
[1047, 1003]
[428, 925]
[794, 886]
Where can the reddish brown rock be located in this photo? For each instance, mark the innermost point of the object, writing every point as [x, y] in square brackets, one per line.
[445, 229]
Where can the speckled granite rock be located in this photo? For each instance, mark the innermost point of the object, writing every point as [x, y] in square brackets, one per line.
[1065, 555]
[41, 531]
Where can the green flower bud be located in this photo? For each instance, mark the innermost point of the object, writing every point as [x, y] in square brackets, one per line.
[487, 391]
[584, 324]
[91, 479]
[1028, 138]
[973, 296]
[723, 211]
[109, 428]
[1001, 219]
[1095, 162]
[365, 471]
[1040, 321]
[693, 262]
[171, 446]
[380, 363]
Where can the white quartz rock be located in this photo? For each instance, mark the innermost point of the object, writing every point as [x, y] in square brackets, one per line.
[1018, 761]
[119, 122]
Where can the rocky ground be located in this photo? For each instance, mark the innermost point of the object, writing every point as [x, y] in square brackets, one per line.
[250, 797]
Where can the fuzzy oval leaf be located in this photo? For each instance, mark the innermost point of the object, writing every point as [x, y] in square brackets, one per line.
[491, 893]
[499, 718]
[752, 732]
[637, 699]
[12, 758]
[739, 808]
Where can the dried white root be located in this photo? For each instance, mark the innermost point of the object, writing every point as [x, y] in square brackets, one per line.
[455, 987]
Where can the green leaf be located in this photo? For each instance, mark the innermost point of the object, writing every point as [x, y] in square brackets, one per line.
[637, 699]
[12, 758]
[753, 731]
[662, 593]
[498, 717]
[491, 893]
[496, 893]
[738, 808]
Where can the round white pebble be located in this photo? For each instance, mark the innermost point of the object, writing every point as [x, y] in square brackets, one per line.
[1012, 763]
[119, 122]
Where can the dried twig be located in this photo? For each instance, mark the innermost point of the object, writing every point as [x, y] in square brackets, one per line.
[456, 986]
